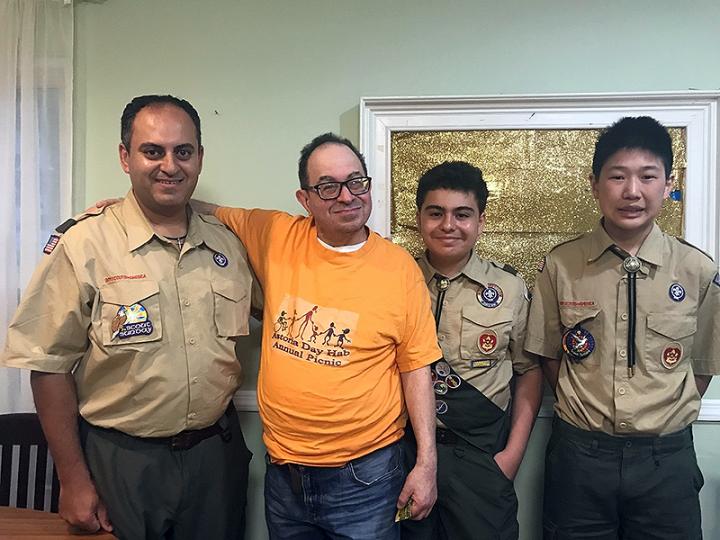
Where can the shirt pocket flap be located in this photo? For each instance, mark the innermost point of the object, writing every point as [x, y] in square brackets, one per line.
[672, 326]
[232, 290]
[570, 317]
[232, 307]
[487, 317]
[127, 293]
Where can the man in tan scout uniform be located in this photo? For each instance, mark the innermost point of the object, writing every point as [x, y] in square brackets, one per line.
[129, 327]
[480, 309]
[627, 319]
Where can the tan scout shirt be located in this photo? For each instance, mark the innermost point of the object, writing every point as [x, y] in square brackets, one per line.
[147, 330]
[583, 283]
[484, 345]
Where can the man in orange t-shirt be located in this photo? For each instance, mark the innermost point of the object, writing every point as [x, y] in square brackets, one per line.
[334, 413]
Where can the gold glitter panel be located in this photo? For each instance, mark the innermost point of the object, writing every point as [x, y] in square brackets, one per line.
[538, 181]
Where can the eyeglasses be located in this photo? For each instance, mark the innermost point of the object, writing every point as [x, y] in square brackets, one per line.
[328, 191]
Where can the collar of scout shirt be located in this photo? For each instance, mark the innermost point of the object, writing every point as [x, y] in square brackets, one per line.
[140, 232]
[475, 269]
[651, 251]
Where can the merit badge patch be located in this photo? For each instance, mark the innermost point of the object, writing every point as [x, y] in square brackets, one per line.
[672, 354]
[440, 407]
[491, 296]
[51, 244]
[578, 343]
[131, 321]
[442, 368]
[676, 292]
[452, 381]
[440, 388]
[220, 259]
[487, 342]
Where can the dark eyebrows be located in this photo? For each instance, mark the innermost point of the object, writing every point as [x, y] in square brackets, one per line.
[327, 178]
[455, 209]
[186, 146]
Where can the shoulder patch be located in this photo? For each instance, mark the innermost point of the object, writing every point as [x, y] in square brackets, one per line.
[716, 279]
[505, 267]
[685, 242]
[64, 226]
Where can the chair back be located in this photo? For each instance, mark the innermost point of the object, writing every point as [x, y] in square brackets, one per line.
[27, 472]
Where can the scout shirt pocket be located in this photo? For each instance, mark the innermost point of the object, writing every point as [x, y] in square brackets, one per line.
[668, 341]
[581, 333]
[232, 307]
[130, 312]
[484, 335]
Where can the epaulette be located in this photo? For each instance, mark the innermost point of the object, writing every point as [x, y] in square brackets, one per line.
[506, 267]
[566, 242]
[683, 241]
[65, 226]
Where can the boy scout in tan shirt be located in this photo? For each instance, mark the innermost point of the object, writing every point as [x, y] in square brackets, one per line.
[627, 319]
[130, 322]
[481, 310]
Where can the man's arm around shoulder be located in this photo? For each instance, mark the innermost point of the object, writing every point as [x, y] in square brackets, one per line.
[56, 402]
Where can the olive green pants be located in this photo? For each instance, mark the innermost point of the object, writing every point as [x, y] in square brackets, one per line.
[475, 500]
[154, 492]
[601, 487]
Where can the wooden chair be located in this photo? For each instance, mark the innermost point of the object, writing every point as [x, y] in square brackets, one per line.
[27, 473]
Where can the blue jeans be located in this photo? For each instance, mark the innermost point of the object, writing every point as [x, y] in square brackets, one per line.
[353, 502]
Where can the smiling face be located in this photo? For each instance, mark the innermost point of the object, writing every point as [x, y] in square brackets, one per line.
[630, 191]
[341, 221]
[164, 160]
[450, 224]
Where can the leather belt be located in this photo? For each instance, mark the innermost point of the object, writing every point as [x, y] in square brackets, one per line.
[191, 437]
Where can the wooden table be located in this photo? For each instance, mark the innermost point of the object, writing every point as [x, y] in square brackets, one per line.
[23, 524]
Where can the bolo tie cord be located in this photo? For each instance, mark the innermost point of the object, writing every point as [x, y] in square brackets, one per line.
[442, 283]
[631, 265]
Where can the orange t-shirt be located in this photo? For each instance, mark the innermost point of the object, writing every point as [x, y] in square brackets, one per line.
[338, 329]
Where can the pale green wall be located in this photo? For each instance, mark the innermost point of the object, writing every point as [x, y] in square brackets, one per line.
[268, 76]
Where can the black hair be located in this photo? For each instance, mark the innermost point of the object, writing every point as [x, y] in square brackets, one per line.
[325, 138]
[455, 176]
[140, 102]
[642, 132]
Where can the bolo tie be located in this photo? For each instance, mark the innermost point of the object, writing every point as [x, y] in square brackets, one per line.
[442, 283]
[631, 265]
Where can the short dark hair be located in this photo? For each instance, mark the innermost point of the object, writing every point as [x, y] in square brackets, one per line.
[629, 133]
[140, 102]
[325, 138]
[455, 176]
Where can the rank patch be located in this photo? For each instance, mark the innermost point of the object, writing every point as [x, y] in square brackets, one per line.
[491, 296]
[672, 354]
[578, 343]
[131, 321]
[676, 292]
[220, 259]
[487, 342]
[51, 244]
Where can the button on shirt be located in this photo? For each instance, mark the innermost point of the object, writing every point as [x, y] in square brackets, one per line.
[677, 332]
[148, 331]
[465, 321]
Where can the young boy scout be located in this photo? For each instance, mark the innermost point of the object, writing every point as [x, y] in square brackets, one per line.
[480, 309]
[627, 319]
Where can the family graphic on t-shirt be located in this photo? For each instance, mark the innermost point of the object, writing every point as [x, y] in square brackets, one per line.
[313, 333]
[286, 325]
